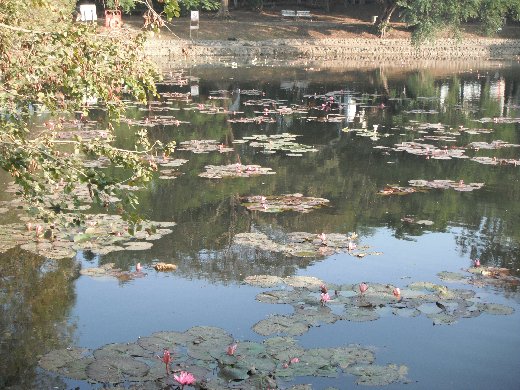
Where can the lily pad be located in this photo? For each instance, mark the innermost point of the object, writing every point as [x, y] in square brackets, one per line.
[495, 309]
[374, 375]
[287, 202]
[116, 370]
[234, 170]
[263, 280]
[279, 324]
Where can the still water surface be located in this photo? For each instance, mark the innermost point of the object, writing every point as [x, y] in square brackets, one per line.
[349, 168]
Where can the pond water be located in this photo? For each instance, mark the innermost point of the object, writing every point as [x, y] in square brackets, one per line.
[363, 135]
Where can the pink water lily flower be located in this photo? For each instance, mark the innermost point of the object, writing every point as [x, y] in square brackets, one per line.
[324, 298]
[476, 262]
[184, 378]
[397, 292]
[294, 360]
[231, 349]
[363, 287]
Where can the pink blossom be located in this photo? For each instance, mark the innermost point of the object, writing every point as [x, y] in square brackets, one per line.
[231, 349]
[322, 237]
[39, 230]
[363, 287]
[397, 292]
[476, 262]
[166, 358]
[324, 298]
[184, 378]
[138, 267]
[294, 360]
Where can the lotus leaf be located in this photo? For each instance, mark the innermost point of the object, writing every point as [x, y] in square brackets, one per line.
[209, 333]
[204, 146]
[374, 375]
[495, 308]
[350, 355]
[230, 373]
[315, 315]
[406, 312]
[309, 282]
[283, 349]
[279, 324]
[287, 202]
[155, 344]
[138, 246]
[76, 369]
[263, 280]
[234, 170]
[360, 314]
[451, 276]
[116, 370]
[56, 359]
[256, 363]
[120, 350]
[443, 318]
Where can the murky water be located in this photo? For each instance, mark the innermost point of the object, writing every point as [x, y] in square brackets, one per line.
[355, 120]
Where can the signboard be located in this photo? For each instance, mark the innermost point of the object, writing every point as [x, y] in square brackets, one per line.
[194, 21]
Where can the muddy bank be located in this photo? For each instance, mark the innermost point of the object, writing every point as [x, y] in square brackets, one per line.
[346, 51]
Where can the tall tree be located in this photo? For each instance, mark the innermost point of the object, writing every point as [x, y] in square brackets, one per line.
[427, 17]
[51, 65]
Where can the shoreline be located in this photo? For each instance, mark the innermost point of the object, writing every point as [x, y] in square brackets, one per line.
[343, 51]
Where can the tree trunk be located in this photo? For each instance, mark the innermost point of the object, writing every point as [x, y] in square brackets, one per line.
[383, 21]
[223, 12]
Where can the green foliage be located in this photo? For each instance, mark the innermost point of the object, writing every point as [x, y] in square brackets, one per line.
[54, 71]
[428, 17]
[125, 5]
[203, 5]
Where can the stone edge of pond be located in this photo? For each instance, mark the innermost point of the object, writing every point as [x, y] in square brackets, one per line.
[349, 51]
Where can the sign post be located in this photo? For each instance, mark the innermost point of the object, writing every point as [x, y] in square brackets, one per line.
[194, 22]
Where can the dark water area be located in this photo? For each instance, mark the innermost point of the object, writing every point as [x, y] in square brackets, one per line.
[353, 119]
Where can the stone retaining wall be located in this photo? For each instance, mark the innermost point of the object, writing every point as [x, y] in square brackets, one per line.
[355, 49]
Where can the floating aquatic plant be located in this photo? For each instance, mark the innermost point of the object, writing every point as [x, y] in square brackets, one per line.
[100, 234]
[204, 146]
[367, 302]
[200, 354]
[280, 203]
[303, 244]
[425, 185]
[234, 170]
[284, 142]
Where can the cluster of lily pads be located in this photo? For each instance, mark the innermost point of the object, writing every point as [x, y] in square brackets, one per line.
[166, 165]
[365, 302]
[84, 134]
[100, 234]
[284, 142]
[256, 119]
[303, 244]
[216, 361]
[157, 120]
[483, 276]
[425, 185]
[279, 203]
[234, 170]
[204, 146]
